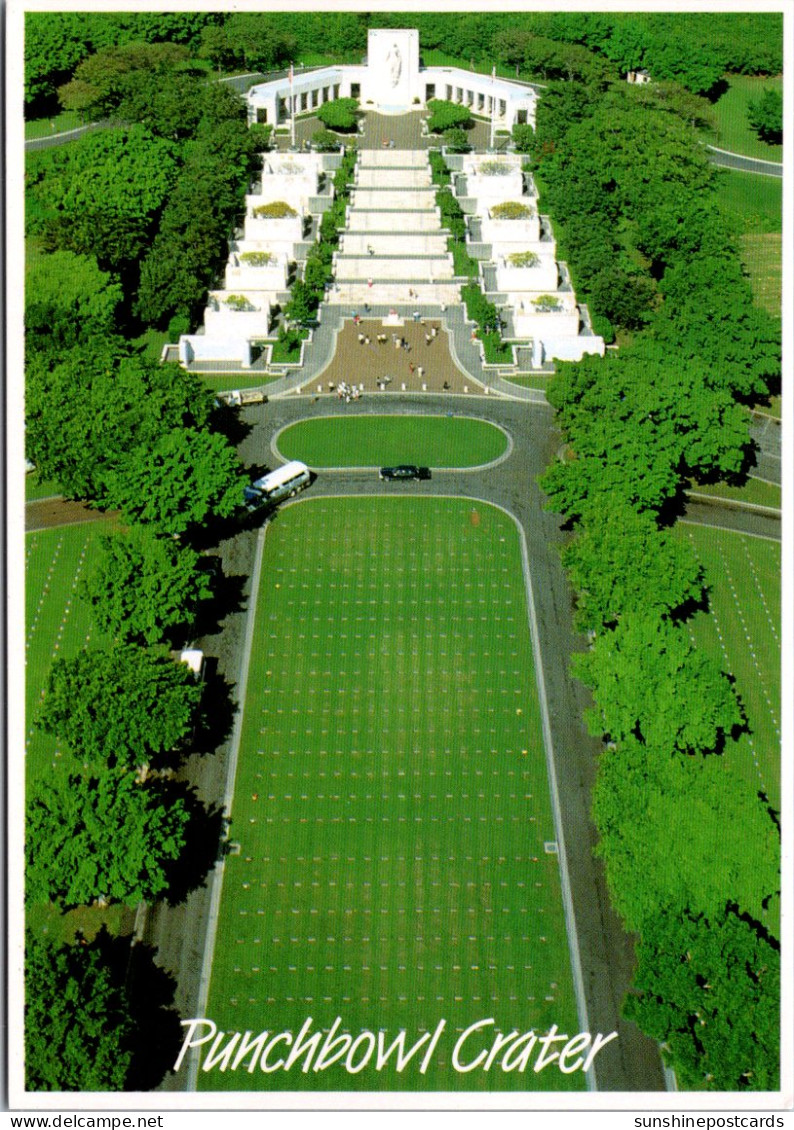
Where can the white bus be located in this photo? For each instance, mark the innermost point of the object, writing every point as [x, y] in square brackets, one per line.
[282, 483]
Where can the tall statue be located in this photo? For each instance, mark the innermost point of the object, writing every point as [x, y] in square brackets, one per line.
[394, 62]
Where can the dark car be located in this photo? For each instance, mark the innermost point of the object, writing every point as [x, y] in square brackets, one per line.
[405, 471]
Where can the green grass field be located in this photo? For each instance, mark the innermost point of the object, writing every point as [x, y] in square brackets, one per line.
[58, 123]
[58, 623]
[377, 441]
[753, 204]
[754, 491]
[743, 630]
[36, 487]
[762, 255]
[391, 804]
[733, 131]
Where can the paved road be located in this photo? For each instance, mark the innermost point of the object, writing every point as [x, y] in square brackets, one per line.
[727, 160]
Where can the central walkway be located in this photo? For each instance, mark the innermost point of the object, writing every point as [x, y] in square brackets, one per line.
[393, 251]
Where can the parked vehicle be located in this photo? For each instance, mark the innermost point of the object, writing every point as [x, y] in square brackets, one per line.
[284, 482]
[238, 397]
[404, 471]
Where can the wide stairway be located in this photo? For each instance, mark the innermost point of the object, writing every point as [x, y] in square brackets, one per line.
[392, 251]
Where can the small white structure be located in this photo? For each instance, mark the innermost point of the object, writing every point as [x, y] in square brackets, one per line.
[509, 232]
[493, 178]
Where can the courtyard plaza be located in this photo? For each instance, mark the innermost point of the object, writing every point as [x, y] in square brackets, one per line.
[382, 367]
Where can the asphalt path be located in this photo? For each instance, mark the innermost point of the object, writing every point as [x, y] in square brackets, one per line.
[727, 160]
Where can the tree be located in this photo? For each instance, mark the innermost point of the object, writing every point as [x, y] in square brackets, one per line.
[121, 705]
[324, 141]
[621, 564]
[649, 682]
[102, 194]
[455, 140]
[302, 305]
[68, 300]
[142, 587]
[185, 478]
[708, 988]
[765, 116]
[54, 43]
[74, 828]
[105, 81]
[88, 410]
[675, 828]
[341, 114]
[77, 1019]
[447, 115]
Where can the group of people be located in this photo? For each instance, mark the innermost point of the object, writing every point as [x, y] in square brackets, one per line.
[346, 392]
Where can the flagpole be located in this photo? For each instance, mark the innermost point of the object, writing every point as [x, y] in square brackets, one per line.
[493, 107]
[291, 107]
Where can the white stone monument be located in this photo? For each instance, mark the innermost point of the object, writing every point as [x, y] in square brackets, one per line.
[391, 79]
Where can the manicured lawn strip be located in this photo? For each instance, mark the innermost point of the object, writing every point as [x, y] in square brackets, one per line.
[391, 801]
[762, 255]
[377, 441]
[58, 623]
[227, 384]
[733, 131]
[743, 632]
[753, 204]
[754, 490]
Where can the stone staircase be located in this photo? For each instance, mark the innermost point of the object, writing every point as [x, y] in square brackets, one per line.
[393, 251]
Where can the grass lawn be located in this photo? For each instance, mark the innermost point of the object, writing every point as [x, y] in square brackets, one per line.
[377, 441]
[733, 131]
[58, 123]
[227, 384]
[762, 255]
[743, 631]
[36, 487]
[58, 623]
[754, 490]
[151, 343]
[462, 262]
[391, 803]
[753, 204]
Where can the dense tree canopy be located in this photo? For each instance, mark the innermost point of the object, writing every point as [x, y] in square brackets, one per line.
[121, 706]
[102, 194]
[89, 411]
[77, 1019]
[622, 564]
[143, 587]
[707, 988]
[75, 825]
[765, 115]
[682, 828]
[183, 479]
[649, 682]
[68, 299]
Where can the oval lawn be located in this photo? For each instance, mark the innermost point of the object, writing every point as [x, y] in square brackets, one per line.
[375, 441]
